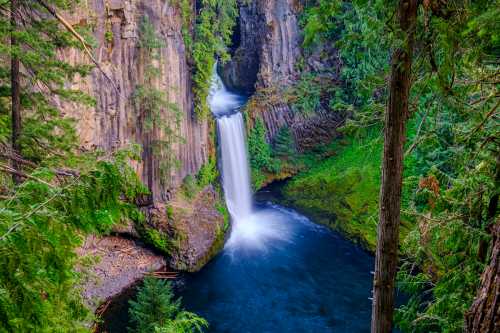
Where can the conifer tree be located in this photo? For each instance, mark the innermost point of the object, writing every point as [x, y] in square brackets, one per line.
[155, 310]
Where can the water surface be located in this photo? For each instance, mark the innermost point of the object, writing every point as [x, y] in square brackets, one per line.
[298, 277]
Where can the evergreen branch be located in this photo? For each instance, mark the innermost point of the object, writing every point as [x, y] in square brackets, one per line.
[418, 139]
[488, 115]
[8, 169]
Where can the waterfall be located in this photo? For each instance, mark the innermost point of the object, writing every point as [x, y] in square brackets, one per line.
[235, 171]
[235, 174]
[251, 228]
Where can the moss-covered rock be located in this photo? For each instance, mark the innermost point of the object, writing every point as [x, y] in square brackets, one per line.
[189, 230]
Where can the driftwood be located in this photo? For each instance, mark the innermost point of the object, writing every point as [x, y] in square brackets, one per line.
[164, 275]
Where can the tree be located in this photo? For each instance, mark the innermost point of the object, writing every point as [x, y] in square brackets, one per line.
[59, 194]
[36, 79]
[392, 172]
[15, 88]
[484, 315]
[156, 311]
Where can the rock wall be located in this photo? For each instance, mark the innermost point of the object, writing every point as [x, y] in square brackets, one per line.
[264, 62]
[269, 45]
[115, 121]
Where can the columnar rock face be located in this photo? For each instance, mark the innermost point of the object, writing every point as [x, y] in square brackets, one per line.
[116, 120]
[264, 61]
[267, 48]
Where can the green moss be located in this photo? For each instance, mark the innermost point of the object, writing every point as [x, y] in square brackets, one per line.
[216, 247]
[170, 212]
[222, 208]
[158, 240]
[342, 191]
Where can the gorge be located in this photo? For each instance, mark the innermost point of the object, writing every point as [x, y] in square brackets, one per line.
[278, 271]
[250, 157]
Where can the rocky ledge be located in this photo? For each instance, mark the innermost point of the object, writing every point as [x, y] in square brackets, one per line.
[120, 263]
[195, 228]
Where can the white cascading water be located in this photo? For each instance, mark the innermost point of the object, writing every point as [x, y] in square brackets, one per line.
[250, 227]
[235, 176]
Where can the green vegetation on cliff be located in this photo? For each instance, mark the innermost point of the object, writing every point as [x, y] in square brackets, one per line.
[159, 118]
[213, 27]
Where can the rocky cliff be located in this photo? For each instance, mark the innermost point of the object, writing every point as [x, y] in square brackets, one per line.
[265, 56]
[115, 121]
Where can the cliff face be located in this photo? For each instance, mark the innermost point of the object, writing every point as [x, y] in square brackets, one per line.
[267, 47]
[264, 61]
[116, 121]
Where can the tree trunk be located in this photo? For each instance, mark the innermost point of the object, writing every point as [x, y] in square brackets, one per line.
[392, 173]
[492, 212]
[15, 91]
[484, 314]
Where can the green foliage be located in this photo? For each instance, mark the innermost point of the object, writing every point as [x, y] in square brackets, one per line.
[41, 224]
[158, 240]
[156, 310]
[355, 28]
[222, 208]
[208, 173]
[189, 187]
[63, 194]
[46, 136]
[450, 162]
[284, 144]
[342, 191]
[213, 28]
[319, 21]
[260, 154]
[309, 93]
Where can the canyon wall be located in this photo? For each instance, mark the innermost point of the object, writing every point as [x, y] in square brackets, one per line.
[116, 121]
[265, 56]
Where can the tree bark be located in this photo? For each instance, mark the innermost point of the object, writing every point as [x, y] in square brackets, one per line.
[392, 172]
[484, 314]
[492, 212]
[15, 90]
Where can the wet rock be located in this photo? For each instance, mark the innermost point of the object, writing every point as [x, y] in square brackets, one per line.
[190, 231]
[269, 45]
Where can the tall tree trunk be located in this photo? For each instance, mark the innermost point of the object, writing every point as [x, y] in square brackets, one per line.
[15, 90]
[484, 314]
[492, 212]
[392, 173]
